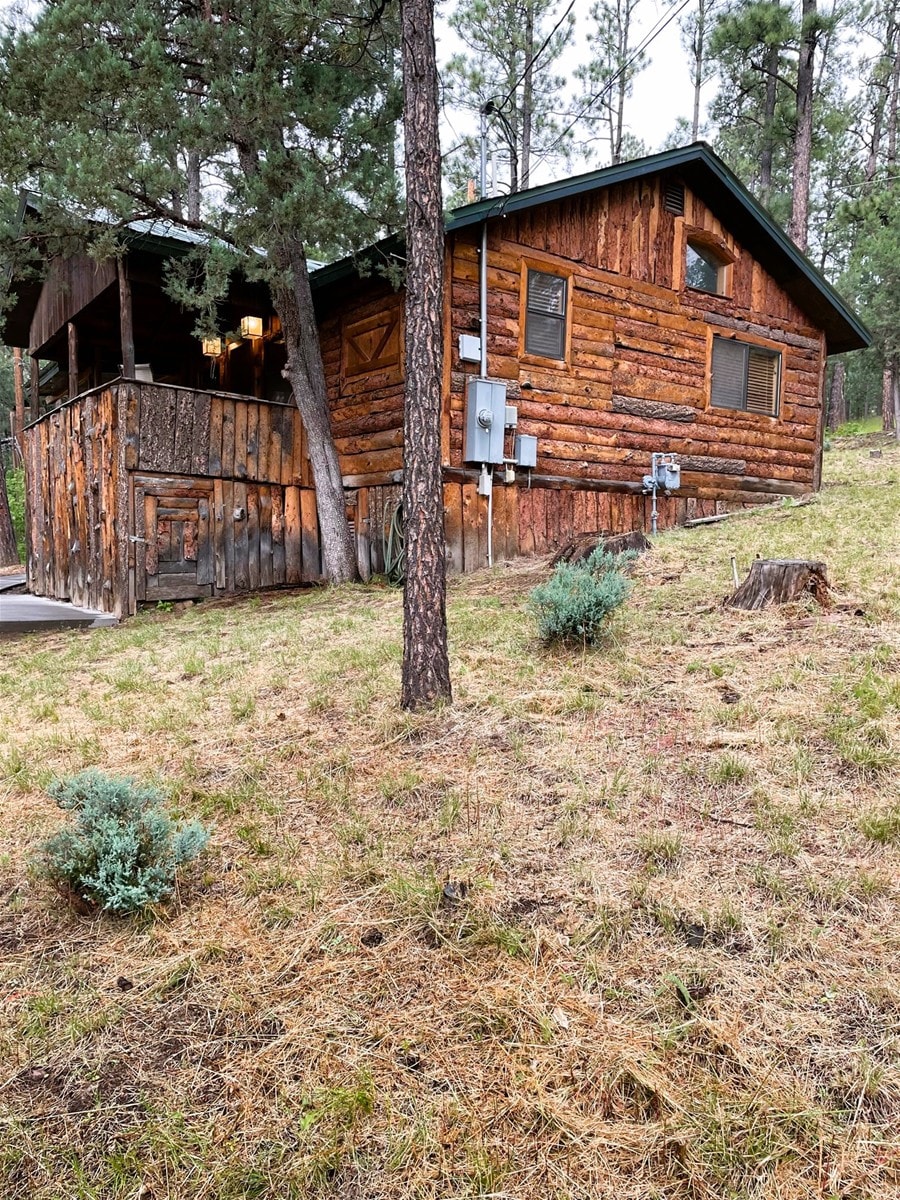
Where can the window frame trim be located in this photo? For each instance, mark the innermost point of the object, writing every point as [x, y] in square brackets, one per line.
[546, 267]
[760, 343]
[688, 233]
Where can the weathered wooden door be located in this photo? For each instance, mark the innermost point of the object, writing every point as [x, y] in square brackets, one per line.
[174, 559]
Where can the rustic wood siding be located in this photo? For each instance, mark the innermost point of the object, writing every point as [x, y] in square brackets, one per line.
[77, 519]
[109, 472]
[71, 284]
[366, 397]
[637, 378]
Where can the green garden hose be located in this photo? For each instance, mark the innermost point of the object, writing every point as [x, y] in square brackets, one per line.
[394, 547]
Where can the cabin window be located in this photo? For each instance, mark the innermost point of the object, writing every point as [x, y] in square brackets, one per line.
[704, 269]
[745, 377]
[545, 315]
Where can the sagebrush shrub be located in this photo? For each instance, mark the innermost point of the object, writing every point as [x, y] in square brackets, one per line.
[578, 598]
[123, 849]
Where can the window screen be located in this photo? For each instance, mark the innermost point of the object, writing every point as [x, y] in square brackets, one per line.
[545, 315]
[745, 377]
[704, 269]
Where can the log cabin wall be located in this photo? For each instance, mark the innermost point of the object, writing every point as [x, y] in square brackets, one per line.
[76, 503]
[143, 493]
[362, 349]
[636, 376]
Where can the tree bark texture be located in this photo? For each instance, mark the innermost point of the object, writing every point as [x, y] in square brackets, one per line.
[765, 166]
[887, 396]
[528, 94]
[305, 371]
[893, 95]
[896, 391]
[9, 554]
[779, 581]
[837, 397]
[803, 134]
[699, 49]
[426, 665]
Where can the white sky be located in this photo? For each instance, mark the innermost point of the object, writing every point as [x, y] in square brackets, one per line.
[661, 93]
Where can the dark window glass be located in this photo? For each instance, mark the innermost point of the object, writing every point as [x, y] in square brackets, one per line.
[745, 377]
[545, 315]
[703, 269]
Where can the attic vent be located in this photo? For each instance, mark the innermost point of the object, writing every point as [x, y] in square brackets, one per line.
[674, 198]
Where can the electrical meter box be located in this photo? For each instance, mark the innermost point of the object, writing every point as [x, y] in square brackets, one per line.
[526, 450]
[485, 418]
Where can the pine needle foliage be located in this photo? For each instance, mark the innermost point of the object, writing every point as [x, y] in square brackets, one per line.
[575, 603]
[122, 852]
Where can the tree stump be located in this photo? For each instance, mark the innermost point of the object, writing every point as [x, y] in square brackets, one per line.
[586, 543]
[779, 581]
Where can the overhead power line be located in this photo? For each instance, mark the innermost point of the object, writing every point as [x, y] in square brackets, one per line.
[543, 46]
[655, 31]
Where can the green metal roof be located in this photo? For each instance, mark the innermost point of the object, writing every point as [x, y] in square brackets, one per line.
[707, 175]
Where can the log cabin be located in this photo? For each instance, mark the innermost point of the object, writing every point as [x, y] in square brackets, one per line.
[652, 307]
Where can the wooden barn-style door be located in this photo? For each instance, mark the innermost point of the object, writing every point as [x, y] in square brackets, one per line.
[174, 538]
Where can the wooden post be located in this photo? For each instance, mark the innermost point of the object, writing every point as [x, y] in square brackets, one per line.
[19, 391]
[35, 387]
[73, 360]
[126, 321]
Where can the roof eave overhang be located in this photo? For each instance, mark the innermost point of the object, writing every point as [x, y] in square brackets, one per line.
[697, 164]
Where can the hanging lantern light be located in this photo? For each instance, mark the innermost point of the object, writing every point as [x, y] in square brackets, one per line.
[251, 327]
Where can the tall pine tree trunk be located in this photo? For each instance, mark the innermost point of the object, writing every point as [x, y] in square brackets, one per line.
[292, 299]
[699, 51]
[9, 554]
[893, 96]
[799, 228]
[765, 163]
[305, 371]
[887, 396]
[194, 190]
[527, 94]
[837, 396]
[426, 665]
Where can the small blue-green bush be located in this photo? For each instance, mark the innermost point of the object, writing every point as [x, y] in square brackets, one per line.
[575, 603]
[123, 849]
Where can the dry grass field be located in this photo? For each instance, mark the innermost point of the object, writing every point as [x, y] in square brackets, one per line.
[616, 925]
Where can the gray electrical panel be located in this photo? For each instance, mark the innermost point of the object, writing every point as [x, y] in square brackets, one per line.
[526, 450]
[469, 348]
[485, 419]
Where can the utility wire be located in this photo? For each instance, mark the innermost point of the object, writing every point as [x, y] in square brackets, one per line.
[530, 64]
[651, 37]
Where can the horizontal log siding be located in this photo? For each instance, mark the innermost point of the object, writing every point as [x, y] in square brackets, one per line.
[367, 408]
[636, 340]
